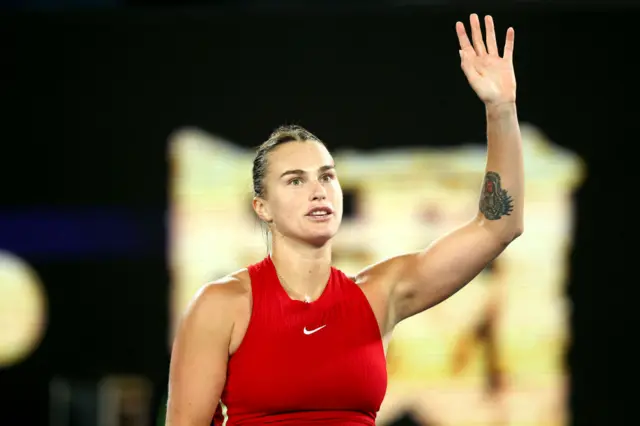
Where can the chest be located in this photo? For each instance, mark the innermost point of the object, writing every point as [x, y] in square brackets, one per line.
[312, 357]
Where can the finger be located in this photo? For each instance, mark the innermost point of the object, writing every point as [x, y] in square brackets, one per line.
[509, 43]
[465, 44]
[492, 44]
[476, 36]
[467, 65]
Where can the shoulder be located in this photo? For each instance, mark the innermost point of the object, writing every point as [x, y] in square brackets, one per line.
[220, 299]
[383, 274]
[229, 286]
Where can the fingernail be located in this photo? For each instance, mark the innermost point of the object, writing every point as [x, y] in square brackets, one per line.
[460, 52]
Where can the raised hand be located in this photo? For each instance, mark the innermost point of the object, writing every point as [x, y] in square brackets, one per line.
[490, 75]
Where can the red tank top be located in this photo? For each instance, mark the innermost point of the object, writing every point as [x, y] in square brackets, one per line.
[305, 363]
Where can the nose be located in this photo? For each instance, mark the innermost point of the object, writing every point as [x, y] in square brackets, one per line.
[318, 192]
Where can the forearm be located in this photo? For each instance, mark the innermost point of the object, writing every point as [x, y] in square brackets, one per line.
[502, 199]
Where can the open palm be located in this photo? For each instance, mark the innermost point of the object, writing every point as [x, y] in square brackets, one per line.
[491, 76]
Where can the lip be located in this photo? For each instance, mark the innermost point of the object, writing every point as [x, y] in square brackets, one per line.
[328, 209]
[323, 218]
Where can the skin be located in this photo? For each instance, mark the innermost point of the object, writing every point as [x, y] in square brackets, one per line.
[397, 288]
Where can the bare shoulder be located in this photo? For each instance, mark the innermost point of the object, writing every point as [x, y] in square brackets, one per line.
[201, 349]
[218, 303]
[230, 286]
[224, 292]
[383, 274]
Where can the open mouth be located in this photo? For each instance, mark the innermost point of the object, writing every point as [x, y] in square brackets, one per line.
[320, 213]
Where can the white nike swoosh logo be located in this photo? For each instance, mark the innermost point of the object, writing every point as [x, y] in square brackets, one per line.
[308, 332]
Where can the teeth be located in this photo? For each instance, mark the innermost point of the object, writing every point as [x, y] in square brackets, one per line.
[319, 213]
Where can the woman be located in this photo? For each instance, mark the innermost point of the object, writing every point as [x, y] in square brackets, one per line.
[294, 341]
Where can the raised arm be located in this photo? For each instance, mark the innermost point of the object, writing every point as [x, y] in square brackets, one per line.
[199, 357]
[418, 281]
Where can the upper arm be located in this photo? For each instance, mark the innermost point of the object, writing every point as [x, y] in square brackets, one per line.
[199, 357]
[423, 279]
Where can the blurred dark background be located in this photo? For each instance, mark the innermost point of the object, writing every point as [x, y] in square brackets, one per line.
[93, 89]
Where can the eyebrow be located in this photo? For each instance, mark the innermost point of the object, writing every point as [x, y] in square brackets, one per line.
[301, 172]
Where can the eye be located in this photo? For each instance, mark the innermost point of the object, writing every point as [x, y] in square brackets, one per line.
[327, 177]
[295, 181]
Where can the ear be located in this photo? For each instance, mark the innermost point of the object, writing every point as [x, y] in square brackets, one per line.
[261, 207]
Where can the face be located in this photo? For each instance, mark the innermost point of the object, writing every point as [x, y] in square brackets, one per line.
[303, 195]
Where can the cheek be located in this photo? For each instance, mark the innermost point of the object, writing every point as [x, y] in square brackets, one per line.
[289, 205]
[337, 194]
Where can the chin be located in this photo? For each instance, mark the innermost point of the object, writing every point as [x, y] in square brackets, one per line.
[319, 239]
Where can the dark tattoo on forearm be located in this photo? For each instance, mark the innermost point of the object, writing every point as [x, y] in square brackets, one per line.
[494, 201]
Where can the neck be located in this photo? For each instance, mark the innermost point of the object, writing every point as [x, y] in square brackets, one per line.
[303, 268]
